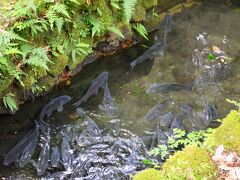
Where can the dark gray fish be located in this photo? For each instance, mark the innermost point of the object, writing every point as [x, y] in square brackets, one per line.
[80, 111]
[83, 140]
[96, 84]
[64, 175]
[166, 120]
[55, 104]
[155, 112]
[43, 159]
[210, 114]
[67, 155]
[55, 157]
[166, 87]
[92, 128]
[147, 140]
[167, 25]
[28, 151]
[13, 155]
[108, 105]
[176, 124]
[159, 137]
[157, 48]
[192, 116]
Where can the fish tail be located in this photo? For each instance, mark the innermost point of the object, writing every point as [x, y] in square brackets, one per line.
[133, 64]
[78, 103]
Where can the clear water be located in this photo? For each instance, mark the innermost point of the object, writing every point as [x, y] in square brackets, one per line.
[221, 26]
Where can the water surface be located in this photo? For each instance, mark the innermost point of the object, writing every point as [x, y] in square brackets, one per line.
[220, 26]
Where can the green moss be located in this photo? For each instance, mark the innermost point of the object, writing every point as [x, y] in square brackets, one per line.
[59, 64]
[5, 83]
[191, 163]
[139, 13]
[148, 174]
[227, 134]
[150, 3]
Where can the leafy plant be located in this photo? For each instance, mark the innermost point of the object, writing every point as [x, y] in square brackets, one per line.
[141, 30]
[56, 14]
[116, 31]
[39, 58]
[115, 4]
[128, 9]
[9, 102]
[149, 162]
[234, 102]
[97, 26]
[179, 140]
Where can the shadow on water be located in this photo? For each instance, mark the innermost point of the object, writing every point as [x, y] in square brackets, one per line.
[218, 23]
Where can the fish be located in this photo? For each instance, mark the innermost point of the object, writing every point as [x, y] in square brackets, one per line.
[193, 117]
[13, 155]
[159, 137]
[83, 140]
[67, 155]
[156, 88]
[54, 104]
[155, 111]
[96, 84]
[91, 127]
[108, 105]
[209, 114]
[58, 175]
[29, 150]
[43, 159]
[157, 48]
[167, 23]
[80, 111]
[55, 157]
[176, 124]
[166, 120]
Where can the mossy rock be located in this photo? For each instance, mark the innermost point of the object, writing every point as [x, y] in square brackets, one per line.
[6, 82]
[139, 13]
[148, 174]
[150, 3]
[191, 163]
[227, 134]
[59, 64]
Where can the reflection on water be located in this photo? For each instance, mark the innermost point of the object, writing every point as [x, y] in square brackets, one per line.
[196, 34]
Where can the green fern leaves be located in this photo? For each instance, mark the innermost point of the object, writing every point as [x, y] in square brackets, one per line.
[116, 31]
[39, 58]
[141, 30]
[9, 102]
[128, 8]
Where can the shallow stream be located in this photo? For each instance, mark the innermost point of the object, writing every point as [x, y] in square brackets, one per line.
[199, 29]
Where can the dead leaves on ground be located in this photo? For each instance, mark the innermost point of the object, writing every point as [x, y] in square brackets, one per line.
[228, 164]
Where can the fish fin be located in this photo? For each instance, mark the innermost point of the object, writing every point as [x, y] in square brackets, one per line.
[133, 64]
[49, 114]
[60, 109]
[96, 93]
[78, 103]
[34, 163]
[101, 107]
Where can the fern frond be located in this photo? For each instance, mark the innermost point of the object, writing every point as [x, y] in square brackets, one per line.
[39, 58]
[141, 30]
[9, 102]
[97, 28]
[61, 9]
[128, 8]
[59, 23]
[116, 31]
[23, 8]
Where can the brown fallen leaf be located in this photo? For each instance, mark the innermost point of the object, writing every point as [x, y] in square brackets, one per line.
[88, 2]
